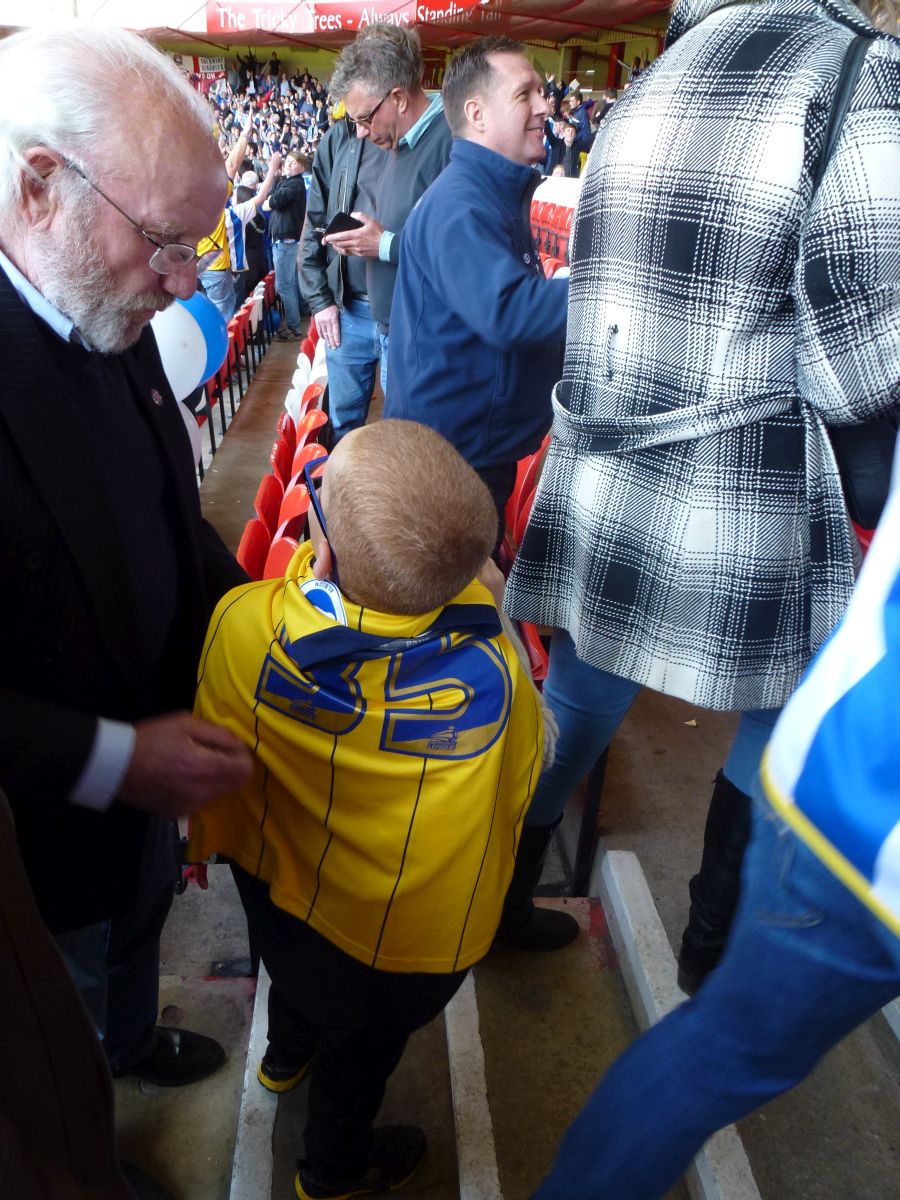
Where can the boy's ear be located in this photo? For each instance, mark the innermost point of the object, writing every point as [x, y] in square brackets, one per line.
[324, 564]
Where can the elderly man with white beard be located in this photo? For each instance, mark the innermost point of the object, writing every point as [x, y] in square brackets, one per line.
[110, 573]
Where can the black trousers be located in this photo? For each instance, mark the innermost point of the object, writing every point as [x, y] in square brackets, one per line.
[356, 1020]
[500, 482]
[115, 964]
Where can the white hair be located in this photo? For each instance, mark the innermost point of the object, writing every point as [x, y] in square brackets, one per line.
[84, 73]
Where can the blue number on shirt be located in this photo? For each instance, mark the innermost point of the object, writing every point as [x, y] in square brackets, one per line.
[453, 703]
[328, 698]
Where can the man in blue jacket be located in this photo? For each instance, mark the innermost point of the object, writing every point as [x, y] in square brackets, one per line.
[476, 330]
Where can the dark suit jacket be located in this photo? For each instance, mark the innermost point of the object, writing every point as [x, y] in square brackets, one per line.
[69, 646]
[56, 1110]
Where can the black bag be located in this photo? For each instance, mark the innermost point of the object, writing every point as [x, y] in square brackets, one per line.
[864, 453]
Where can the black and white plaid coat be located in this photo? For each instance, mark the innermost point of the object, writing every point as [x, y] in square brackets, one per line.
[689, 530]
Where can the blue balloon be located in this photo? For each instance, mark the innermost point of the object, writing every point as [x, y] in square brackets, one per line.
[214, 329]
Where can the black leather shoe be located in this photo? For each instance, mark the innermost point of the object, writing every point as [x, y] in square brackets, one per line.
[179, 1057]
[543, 929]
[522, 923]
[141, 1186]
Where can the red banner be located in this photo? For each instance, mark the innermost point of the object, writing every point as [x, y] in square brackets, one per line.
[326, 16]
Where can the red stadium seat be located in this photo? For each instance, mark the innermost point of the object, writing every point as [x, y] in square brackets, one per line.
[287, 430]
[293, 511]
[309, 425]
[311, 396]
[527, 471]
[280, 554]
[271, 294]
[548, 238]
[267, 503]
[253, 548]
[538, 657]
[307, 454]
[564, 225]
[522, 516]
[280, 458]
[243, 341]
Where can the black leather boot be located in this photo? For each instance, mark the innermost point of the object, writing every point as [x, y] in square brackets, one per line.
[522, 924]
[715, 889]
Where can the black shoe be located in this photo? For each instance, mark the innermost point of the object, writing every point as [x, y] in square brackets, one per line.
[278, 1076]
[395, 1154]
[179, 1057]
[543, 929]
[715, 888]
[522, 924]
[141, 1186]
[692, 972]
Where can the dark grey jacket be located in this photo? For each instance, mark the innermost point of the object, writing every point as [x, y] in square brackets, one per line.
[335, 169]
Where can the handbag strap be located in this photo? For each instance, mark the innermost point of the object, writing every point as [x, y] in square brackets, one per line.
[849, 73]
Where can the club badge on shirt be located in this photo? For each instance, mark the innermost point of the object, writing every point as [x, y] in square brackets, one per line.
[326, 598]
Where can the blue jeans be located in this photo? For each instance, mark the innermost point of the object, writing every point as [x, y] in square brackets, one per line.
[219, 287]
[382, 379]
[351, 368]
[589, 706]
[805, 964]
[287, 281]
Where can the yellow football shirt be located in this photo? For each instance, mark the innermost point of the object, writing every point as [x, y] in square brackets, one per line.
[217, 240]
[395, 758]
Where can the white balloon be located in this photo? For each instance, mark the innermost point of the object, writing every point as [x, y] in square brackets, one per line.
[193, 430]
[182, 348]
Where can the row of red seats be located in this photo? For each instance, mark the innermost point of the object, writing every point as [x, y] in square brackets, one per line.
[250, 332]
[282, 501]
[551, 225]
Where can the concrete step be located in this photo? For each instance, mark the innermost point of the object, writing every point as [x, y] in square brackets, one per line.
[496, 1080]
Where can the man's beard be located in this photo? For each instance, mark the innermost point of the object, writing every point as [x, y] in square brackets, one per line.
[76, 280]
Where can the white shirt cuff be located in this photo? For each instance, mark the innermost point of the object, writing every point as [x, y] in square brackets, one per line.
[107, 763]
[384, 246]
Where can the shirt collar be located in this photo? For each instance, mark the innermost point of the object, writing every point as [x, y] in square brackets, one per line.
[41, 307]
[412, 135]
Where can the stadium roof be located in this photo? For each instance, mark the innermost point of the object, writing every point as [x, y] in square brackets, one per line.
[330, 24]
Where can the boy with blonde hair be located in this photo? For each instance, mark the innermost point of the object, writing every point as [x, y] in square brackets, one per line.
[397, 740]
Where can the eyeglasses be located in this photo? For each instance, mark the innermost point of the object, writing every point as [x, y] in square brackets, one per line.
[312, 486]
[367, 120]
[168, 256]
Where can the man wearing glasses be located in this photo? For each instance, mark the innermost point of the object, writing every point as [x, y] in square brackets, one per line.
[345, 174]
[109, 571]
[379, 78]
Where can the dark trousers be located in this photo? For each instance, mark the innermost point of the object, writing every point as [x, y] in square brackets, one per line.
[356, 1020]
[500, 482]
[115, 964]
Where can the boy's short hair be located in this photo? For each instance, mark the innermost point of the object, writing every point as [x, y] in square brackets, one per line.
[409, 521]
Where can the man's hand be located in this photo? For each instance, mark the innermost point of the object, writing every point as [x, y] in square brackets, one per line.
[492, 578]
[363, 242]
[181, 764]
[328, 323]
[275, 163]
